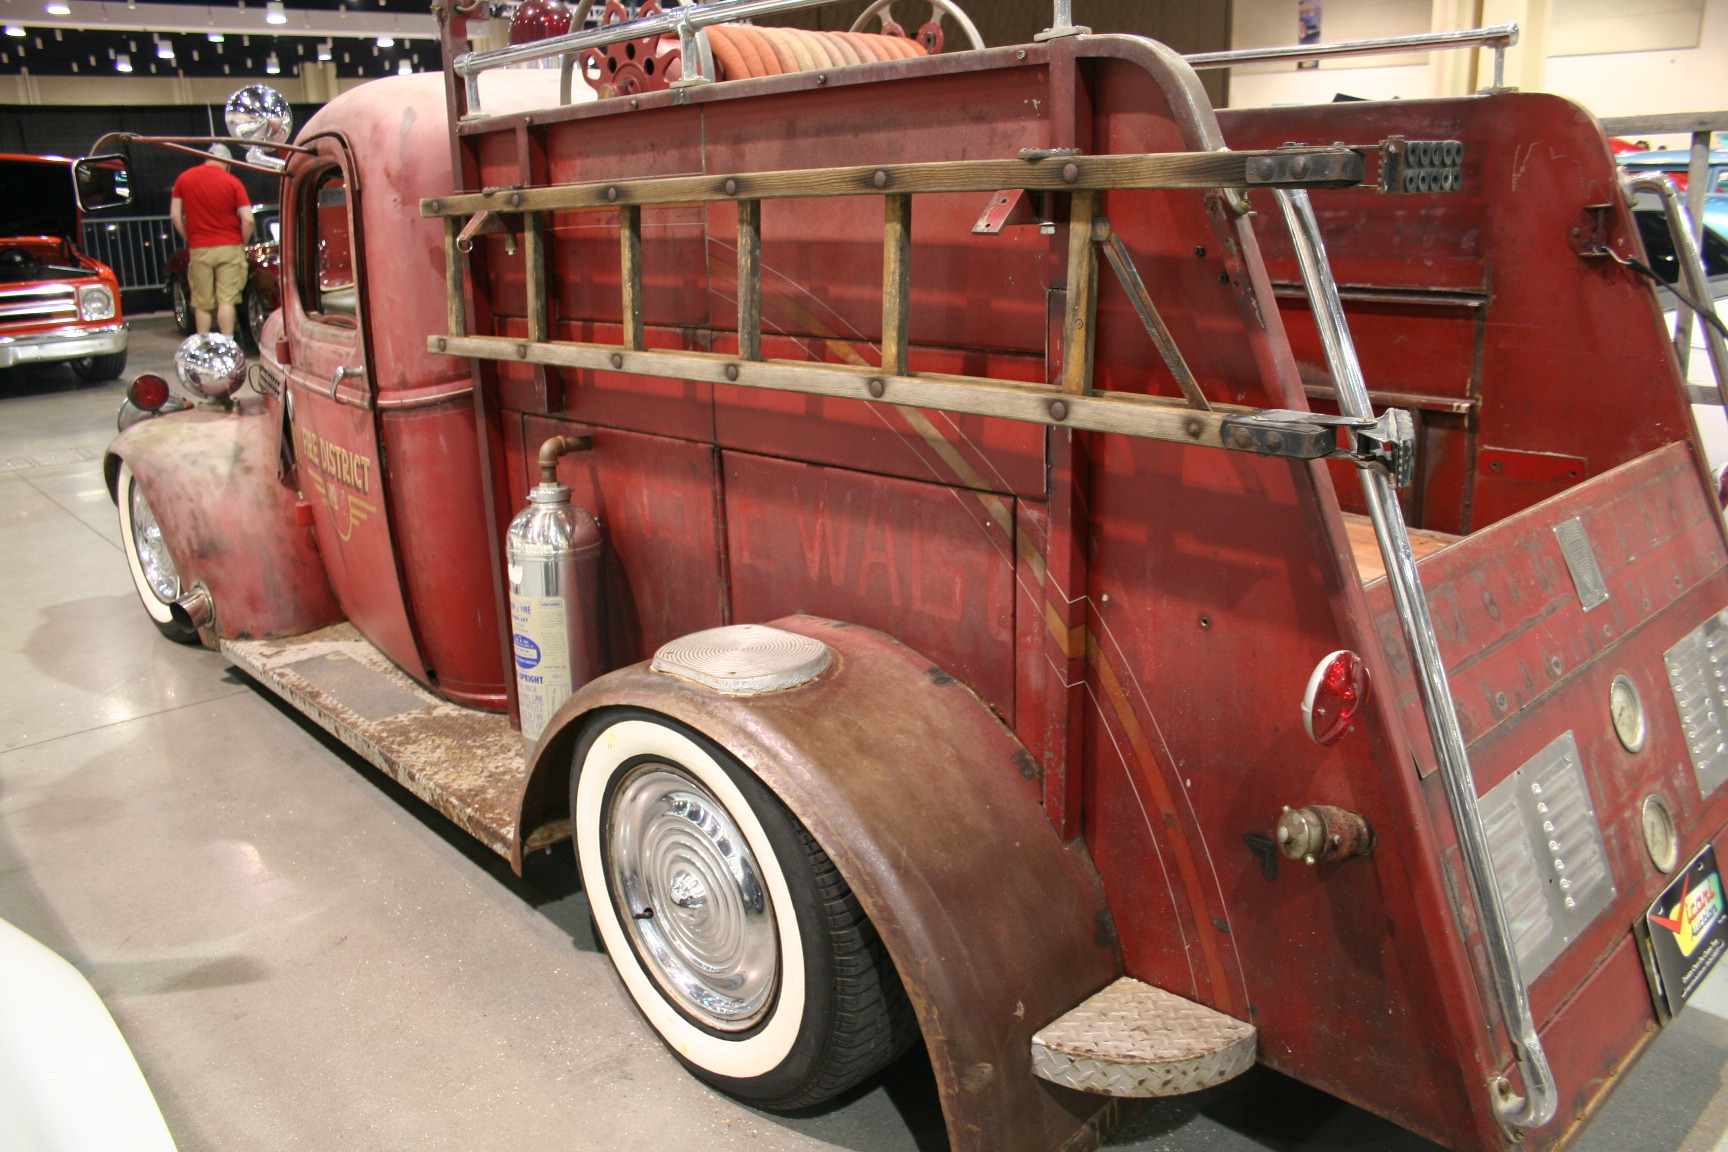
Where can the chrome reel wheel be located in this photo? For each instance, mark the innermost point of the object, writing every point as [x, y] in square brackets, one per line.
[153, 572]
[730, 928]
[930, 35]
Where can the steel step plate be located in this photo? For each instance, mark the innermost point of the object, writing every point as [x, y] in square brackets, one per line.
[465, 763]
[1132, 1039]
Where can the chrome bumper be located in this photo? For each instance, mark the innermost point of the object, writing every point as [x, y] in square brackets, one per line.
[66, 344]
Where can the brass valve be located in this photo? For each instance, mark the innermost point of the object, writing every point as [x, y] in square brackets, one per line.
[1319, 832]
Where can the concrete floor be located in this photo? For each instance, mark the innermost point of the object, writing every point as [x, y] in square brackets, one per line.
[304, 956]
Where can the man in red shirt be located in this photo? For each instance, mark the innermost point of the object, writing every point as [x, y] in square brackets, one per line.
[212, 212]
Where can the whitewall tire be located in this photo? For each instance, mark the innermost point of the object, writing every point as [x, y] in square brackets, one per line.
[728, 925]
[153, 572]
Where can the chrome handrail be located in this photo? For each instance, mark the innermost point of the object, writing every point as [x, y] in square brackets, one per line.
[1538, 1105]
[1692, 271]
[1496, 36]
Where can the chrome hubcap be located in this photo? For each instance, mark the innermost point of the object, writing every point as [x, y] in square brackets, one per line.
[159, 570]
[691, 897]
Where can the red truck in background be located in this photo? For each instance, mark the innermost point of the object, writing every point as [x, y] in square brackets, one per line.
[56, 303]
[975, 498]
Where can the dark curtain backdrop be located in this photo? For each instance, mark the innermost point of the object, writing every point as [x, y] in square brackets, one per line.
[47, 130]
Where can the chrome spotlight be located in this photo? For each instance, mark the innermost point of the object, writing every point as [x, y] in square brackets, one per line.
[260, 113]
[211, 365]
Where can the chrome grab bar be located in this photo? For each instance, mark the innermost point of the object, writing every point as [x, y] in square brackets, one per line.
[1496, 36]
[1692, 272]
[1537, 1106]
[689, 19]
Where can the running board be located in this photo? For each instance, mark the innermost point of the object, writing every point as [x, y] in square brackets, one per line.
[466, 763]
[1132, 1039]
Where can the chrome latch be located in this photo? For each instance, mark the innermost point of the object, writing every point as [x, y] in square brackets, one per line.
[1390, 445]
[1387, 443]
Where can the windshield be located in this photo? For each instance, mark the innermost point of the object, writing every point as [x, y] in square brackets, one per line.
[36, 199]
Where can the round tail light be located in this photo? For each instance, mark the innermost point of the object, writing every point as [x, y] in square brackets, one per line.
[1337, 693]
[149, 392]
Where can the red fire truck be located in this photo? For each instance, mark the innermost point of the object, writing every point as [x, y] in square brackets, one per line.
[974, 500]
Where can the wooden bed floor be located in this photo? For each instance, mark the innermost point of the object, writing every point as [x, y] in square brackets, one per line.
[1367, 549]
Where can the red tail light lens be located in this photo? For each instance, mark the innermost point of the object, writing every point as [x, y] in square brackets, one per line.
[1337, 693]
[538, 20]
[148, 392]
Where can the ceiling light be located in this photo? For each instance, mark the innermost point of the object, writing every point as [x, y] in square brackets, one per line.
[404, 68]
[14, 30]
[383, 41]
[164, 50]
[122, 63]
[324, 50]
[273, 13]
[59, 8]
[272, 65]
[215, 37]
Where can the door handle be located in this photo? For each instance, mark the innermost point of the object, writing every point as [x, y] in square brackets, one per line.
[342, 373]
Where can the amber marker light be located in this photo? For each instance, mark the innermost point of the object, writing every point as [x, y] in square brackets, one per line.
[1337, 692]
[148, 392]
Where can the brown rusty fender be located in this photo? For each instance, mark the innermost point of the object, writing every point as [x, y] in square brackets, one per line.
[914, 789]
[230, 524]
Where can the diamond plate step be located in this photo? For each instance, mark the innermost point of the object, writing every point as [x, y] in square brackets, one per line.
[1132, 1039]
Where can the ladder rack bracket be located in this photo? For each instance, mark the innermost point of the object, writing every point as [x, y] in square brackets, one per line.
[1387, 443]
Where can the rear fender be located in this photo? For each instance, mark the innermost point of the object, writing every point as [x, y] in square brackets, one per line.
[212, 479]
[915, 790]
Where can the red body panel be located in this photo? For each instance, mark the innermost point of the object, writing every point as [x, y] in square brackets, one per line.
[248, 547]
[399, 549]
[1484, 299]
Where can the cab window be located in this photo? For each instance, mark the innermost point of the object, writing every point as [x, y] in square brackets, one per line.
[327, 287]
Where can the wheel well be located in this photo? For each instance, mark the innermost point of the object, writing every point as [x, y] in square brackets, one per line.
[111, 474]
[546, 798]
[993, 924]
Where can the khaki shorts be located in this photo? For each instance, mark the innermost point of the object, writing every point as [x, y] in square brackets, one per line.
[217, 276]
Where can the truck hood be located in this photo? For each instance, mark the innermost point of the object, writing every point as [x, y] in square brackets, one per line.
[36, 199]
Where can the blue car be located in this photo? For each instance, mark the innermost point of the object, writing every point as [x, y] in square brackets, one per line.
[1675, 163]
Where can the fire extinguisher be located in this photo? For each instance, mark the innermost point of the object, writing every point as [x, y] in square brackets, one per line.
[554, 560]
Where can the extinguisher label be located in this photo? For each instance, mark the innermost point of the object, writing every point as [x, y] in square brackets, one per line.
[543, 681]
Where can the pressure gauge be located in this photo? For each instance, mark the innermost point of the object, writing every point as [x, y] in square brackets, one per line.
[1627, 711]
[1660, 836]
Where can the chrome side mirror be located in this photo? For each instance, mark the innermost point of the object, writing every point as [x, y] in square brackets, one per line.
[101, 182]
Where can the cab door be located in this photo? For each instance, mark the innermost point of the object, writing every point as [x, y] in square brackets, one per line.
[333, 401]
